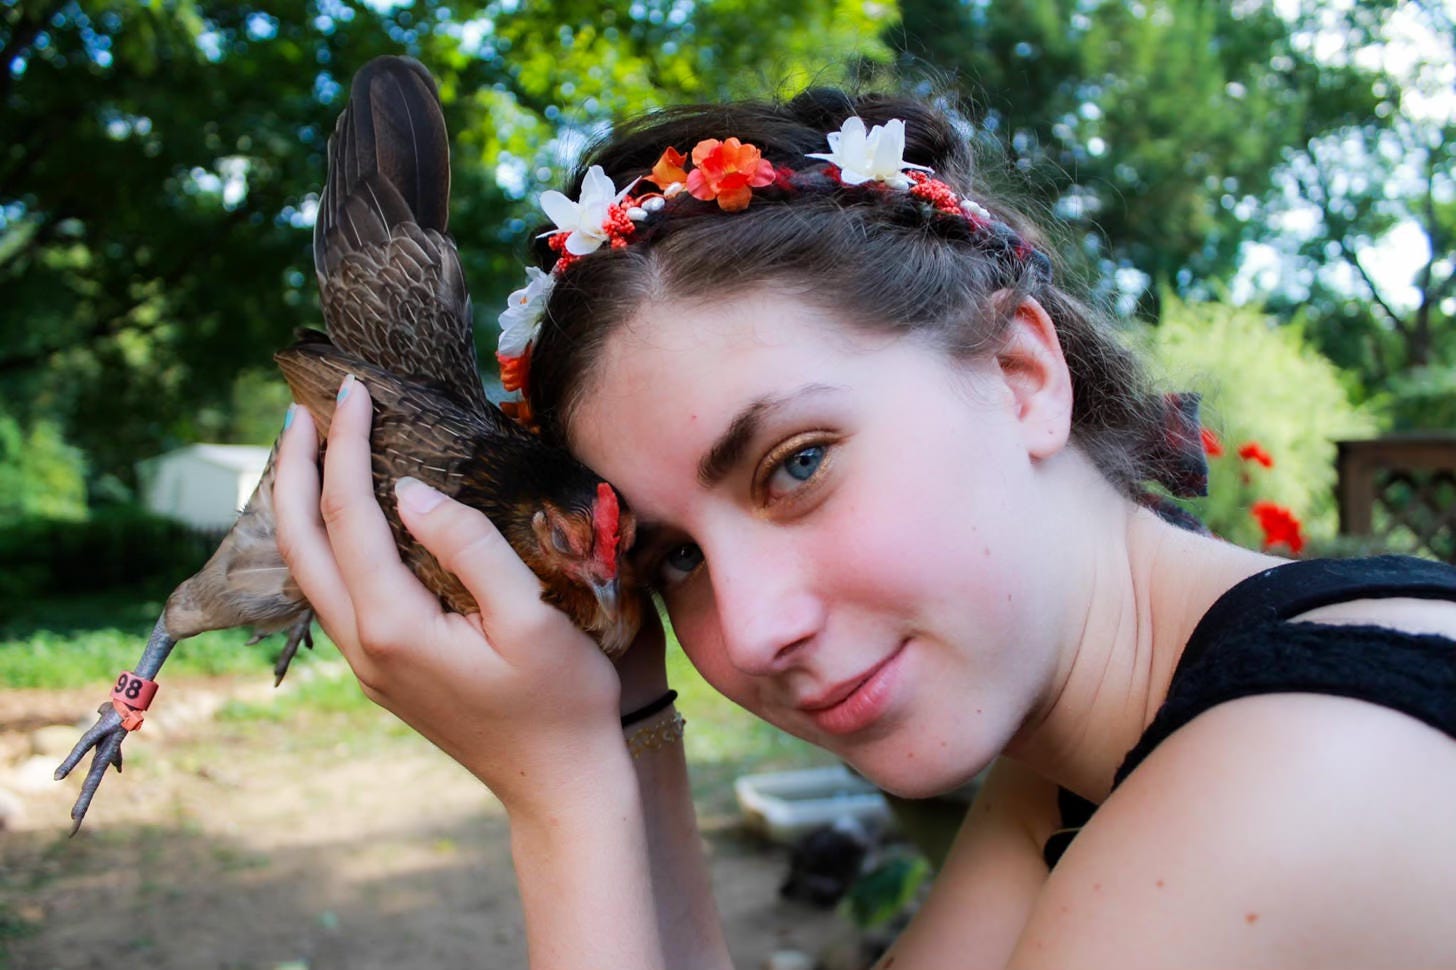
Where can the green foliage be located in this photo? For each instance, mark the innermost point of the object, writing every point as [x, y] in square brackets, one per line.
[40, 474]
[1370, 207]
[881, 894]
[116, 546]
[253, 414]
[80, 640]
[320, 688]
[1421, 399]
[1152, 128]
[161, 160]
[1262, 383]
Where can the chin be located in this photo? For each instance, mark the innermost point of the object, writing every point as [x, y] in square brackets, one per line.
[905, 776]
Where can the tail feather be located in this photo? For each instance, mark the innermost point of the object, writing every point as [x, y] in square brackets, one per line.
[392, 133]
[390, 281]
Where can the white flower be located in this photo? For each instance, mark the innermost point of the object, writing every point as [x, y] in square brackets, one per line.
[876, 155]
[587, 218]
[521, 318]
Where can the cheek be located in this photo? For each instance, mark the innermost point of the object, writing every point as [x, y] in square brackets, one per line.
[951, 559]
[696, 627]
[954, 535]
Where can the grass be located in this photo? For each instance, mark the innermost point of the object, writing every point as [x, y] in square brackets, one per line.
[80, 641]
[84, 641]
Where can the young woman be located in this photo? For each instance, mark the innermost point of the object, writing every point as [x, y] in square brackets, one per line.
[888, 478]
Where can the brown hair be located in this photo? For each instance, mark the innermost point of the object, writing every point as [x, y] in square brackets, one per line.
[882, 260]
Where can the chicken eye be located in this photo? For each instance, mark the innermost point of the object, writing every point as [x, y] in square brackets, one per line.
[796, 469]
[561, 541]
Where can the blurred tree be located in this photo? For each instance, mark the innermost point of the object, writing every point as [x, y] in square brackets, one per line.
[160, 161]
[40, 475]
[1154, 128]
[1370, 220]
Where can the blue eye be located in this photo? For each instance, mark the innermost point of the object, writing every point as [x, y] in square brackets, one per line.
[798, 467]
[803, 464]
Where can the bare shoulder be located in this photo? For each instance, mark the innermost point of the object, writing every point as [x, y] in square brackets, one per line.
[1407, 614]
[1277, 830]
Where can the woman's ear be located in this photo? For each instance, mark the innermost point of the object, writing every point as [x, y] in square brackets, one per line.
[1035, 370]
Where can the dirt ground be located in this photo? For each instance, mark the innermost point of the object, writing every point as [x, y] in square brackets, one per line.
[266, 844]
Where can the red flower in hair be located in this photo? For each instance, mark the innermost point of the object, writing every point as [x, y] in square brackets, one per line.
[1253, 451]
[1212, 447]
[1279, 525]
[728, 171]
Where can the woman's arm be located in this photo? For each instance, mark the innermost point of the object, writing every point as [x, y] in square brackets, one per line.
[515, 693]
[989, 882]
[687, 916]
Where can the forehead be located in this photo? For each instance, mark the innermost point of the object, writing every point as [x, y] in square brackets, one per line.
[671, 379]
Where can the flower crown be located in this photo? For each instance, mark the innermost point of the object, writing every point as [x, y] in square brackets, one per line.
[725, 172]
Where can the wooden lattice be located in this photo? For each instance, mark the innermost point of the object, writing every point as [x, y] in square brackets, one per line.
[1400, 491]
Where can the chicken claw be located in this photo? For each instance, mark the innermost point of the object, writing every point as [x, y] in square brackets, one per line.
[105, 736]
[300, 632]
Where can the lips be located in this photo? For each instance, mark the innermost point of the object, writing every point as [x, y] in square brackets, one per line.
[854, 704]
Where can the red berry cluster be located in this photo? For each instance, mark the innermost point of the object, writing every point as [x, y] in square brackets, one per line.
[619, 225]
[938, 194]
[564, 259]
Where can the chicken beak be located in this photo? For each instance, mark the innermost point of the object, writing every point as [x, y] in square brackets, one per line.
[606, 592]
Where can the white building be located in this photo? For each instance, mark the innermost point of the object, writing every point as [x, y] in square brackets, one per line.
[204, 486]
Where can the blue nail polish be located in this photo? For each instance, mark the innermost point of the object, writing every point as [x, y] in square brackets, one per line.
[345, 387]
[288, 416]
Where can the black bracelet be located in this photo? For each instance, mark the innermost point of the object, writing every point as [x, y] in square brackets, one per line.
[643, 713]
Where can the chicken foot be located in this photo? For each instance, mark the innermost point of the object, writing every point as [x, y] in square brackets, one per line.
[299, 632]
[107, 733]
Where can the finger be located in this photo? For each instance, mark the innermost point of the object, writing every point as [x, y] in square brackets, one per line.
[469, 545]
[392, 600]
[301, 536]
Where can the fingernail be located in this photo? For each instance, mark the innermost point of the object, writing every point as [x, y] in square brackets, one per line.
[288, 416]
[415, 495]
[346, 387]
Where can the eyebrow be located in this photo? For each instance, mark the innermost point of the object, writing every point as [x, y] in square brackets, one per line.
[729, 447]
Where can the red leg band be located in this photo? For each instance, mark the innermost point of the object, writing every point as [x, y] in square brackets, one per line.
[130, 696]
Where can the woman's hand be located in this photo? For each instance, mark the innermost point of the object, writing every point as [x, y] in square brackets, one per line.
[515, 693]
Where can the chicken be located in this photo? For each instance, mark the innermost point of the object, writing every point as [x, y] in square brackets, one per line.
[398, 317]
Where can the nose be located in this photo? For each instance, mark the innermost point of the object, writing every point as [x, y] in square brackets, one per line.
[768, 608]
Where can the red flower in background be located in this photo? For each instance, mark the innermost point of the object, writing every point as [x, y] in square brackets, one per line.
[1279, 525]
[1253, 451]
[1212, 447]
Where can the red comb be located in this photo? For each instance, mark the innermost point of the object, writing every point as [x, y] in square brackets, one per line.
[605, 519]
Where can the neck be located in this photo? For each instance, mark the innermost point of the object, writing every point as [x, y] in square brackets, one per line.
[1141, 587]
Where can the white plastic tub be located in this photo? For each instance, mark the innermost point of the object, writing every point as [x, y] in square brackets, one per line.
[784, 805]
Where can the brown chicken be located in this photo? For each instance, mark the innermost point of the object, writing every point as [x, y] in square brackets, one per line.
[398, 317]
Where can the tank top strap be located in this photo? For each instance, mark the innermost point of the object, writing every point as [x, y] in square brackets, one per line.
[1243, 646]
[1292, 588]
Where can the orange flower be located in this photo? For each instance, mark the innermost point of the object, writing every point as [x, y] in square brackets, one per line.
[515, 370]
[1253, 451]
[669, 169]
[728, 171]
[1212, 447]
[1279, 525]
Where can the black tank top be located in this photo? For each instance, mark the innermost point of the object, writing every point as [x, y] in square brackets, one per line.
[1245, 645]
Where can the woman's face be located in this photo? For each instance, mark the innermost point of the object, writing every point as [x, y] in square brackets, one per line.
[842, 525]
